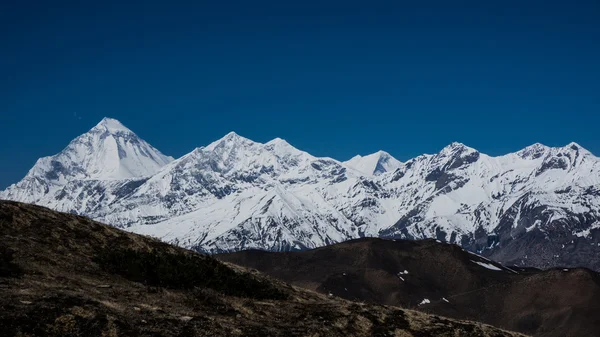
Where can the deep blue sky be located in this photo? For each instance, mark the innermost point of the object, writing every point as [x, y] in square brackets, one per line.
[333, 78]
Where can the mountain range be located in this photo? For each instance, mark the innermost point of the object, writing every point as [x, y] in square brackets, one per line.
[536, 207]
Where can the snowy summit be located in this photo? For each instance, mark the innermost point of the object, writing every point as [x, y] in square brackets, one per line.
[374, 164]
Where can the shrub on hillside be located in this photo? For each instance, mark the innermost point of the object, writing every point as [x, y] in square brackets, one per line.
[7, 267]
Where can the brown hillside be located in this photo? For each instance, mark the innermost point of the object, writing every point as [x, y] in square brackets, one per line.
[64, 275]
[558, 302]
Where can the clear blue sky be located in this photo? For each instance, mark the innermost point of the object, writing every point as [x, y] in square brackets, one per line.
[333, 78]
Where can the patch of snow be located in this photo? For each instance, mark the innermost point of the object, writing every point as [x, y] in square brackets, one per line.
[587, 232]
[487, 265]
[479, 256]
[535, 225]
[425, 301]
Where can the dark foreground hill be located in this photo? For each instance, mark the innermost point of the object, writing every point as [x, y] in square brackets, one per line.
[65, 275]
[442, 279]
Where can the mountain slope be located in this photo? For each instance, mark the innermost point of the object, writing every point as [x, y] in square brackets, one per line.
[442, 279]
[65, 275]
[539, 206]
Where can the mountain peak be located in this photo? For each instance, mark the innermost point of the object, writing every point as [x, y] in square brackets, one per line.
[375, 163]
[279, 144]
[457, 147]
[576, 147]
[232, 135]
[111, 125]
[537, 150]
[108, 151]
[277, 140]
[537, 146]
[382, 153]
[533, 151]
[229, 140]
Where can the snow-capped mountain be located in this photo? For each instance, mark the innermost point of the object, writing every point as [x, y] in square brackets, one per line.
[109, 153]
[374, 164]
[535, 207]
[539, 206]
